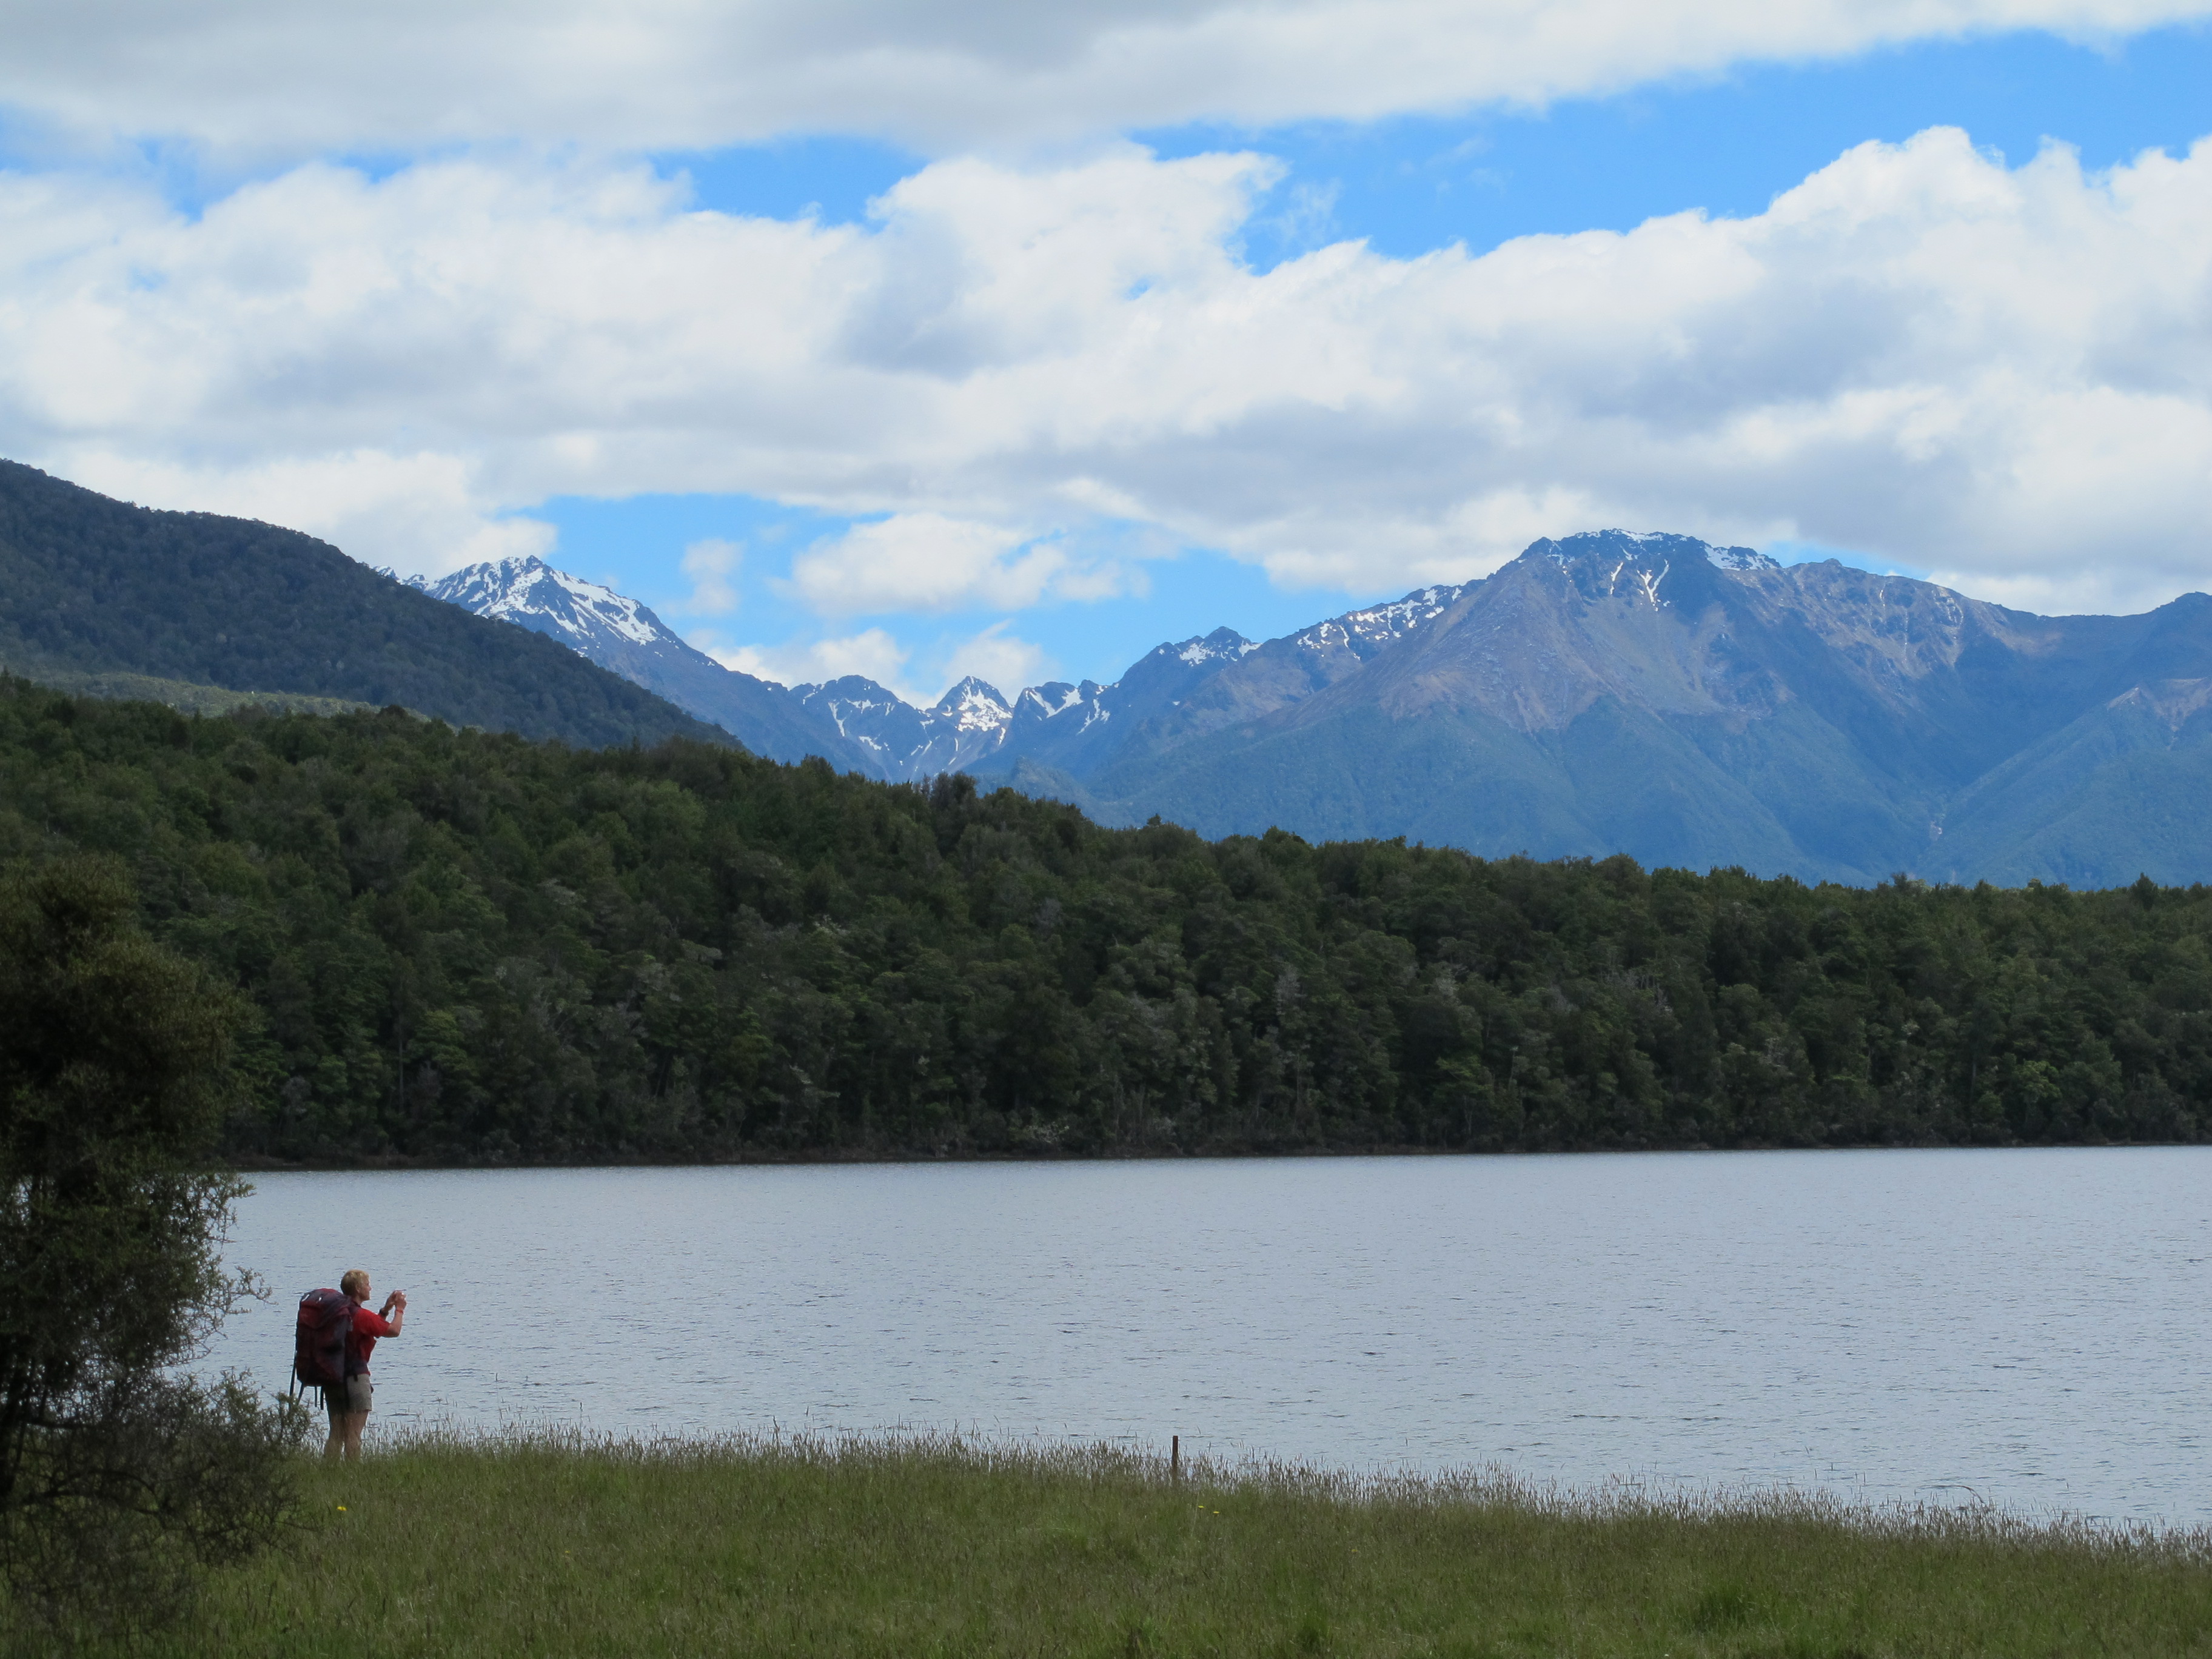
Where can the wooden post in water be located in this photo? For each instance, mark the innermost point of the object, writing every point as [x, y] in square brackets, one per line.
[1175, 1458]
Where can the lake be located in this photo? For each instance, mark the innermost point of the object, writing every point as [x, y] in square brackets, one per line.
[2029, 1329]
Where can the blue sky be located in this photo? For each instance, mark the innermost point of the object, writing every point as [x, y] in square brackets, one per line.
[1071, 331]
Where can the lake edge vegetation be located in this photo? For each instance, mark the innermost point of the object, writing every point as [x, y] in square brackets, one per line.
[553, 1544]
[464, 947]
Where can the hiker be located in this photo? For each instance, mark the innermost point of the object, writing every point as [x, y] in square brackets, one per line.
[349, 1402]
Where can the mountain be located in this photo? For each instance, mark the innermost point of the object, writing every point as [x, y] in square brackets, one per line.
[901, 742]
[1611, 691]
[1178, 692]
[1699, 706]
[852, 722]
[625, 638]
[2123, 784]
[90, 587]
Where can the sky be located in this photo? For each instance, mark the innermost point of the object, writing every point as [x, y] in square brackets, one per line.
[918, 341]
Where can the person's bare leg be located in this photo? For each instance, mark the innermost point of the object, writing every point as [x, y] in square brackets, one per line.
[354, 1423]
[336, 1440]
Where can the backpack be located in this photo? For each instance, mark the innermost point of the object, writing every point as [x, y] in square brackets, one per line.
[319, 1345]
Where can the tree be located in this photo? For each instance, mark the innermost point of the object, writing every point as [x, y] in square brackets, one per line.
[117, 1476]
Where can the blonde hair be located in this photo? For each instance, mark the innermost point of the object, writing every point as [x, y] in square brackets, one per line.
[355, 1282]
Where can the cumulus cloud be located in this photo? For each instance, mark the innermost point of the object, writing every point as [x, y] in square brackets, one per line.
[259, 76]
[921, 561]
[995, 654]
[872, 653]
[1919, 353]
[421, 513]
[926, 562]
[999, 658]
[711, 565]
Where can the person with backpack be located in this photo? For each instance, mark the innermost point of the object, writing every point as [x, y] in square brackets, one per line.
[349, 1393]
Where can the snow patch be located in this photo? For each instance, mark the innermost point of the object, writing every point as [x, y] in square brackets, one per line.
[1742, 558]
[1222, 644]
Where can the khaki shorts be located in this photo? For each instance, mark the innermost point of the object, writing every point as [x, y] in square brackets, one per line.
[352, 1395]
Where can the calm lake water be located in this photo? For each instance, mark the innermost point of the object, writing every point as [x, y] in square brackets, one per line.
[2027, 1328]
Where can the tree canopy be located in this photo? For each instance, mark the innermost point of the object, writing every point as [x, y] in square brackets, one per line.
[115, 1081]
[463, 946]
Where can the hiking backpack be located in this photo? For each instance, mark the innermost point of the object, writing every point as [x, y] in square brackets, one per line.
[318, 1346]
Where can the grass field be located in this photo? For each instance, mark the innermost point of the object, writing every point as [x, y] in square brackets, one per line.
[921, 1548]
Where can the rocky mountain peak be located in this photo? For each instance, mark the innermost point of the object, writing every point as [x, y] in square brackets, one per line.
[974, 705]
[526, 589]
[1222, 645]
[1054, 698]
[855, 691]
[1636, 565]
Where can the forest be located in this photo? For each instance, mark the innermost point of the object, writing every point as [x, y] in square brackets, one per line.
[464, 947]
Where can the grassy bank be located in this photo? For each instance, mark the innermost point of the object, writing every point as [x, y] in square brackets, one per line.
[910, 1549]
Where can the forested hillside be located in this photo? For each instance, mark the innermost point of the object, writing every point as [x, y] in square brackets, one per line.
[95, 588]
[465, 946]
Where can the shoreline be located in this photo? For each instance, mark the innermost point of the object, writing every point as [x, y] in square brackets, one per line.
[244, 1164]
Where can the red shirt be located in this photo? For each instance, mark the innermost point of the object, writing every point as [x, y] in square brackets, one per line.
[360, 1340]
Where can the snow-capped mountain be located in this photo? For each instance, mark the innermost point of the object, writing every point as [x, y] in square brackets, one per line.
[852, 722]
[964, 725]
[1697, 705]
[619, 634]
[530, 592]
[1076, 729]
[1073, 729]
[1604, 692]
[1363, 632]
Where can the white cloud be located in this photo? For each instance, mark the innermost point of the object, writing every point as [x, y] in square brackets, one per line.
[1918, 353]
[262, 77]
[995, 654]
[711, 565]
[873, 653]
[925, 562]
[418, 514]
[997, 657]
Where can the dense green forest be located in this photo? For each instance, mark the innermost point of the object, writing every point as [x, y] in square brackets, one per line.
[466, 946]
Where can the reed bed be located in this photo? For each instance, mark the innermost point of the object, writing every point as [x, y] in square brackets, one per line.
[560, 1543]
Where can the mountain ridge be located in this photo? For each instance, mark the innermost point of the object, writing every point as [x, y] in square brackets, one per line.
[90, 585]
[1612, 690]
[625, 638]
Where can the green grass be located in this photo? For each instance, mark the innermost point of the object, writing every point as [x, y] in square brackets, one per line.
[181, 695]
[534, 1546]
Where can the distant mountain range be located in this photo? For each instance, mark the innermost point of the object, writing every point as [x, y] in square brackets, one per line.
[1607, 692]
[852, 722]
